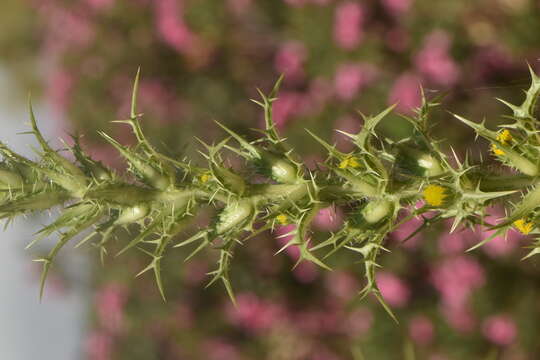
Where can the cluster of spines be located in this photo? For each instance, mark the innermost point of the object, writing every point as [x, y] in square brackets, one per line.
[375, 182]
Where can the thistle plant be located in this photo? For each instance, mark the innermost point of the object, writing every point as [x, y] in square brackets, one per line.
[378, 185]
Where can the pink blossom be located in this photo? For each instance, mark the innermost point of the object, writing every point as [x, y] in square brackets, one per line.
[434, 61]
[455, 278]
[452, 243]
[394, 290]
[59, 87]
[348, 25]
[306, 272]
[500, 329]
[406, 93]
[65, 29]
[500, 245]
[405, 230]
[98, 346]
[493, 61]
[286, 106]
[351, 78]
[397, 7]
[254, 314]
[421, 330]
[290, 59]
[217, 349]
[459, 317]
[110, 301]
[341, 284]
[318, 94]
[316, 321]
[358, 322]
[328, 219]
[172, 28]
[100, 4]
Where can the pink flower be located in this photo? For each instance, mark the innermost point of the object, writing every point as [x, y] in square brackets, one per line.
[397, 7]
[358, 322]
[110, 301]
[405, 230]
[173, 30]
[217, 349]
[290, 60]
[434, 61]
[394, 290]
[98, 346]
[453, 243]
[351, 78]
[500, 329]
[459, 317]
[286, 106]
[306, 272]
[328, 219]
[406, 93]
[341, 284]
[59, 87]
[421, 330]
[254, 314]
[348, 23]
[100, 4]
[500, 246]
[455, 278]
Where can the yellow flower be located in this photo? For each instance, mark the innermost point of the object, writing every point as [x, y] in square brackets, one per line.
[496, 150]
[504, 137]
[205, 177]
[282, 219]
[434, 195]
[523, 226]
[349, 161]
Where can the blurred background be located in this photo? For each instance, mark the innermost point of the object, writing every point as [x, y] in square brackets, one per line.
[202, 60]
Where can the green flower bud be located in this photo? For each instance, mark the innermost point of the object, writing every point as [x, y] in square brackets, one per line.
[10, 180]
[418, 163]
[372, 213]
[278, 168]
[235, 214]
[132, 214]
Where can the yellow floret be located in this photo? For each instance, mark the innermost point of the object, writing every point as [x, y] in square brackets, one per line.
[349, 161]
[523, 226]
[496, 150]
[205, 177]
[504, 137]
[282, 219]
[434, 195]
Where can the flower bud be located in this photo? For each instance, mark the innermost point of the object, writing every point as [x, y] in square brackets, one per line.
[235, 214]
[278, 168]
[372, 213]
[131, 214]
[418, 163]
[10, 180]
